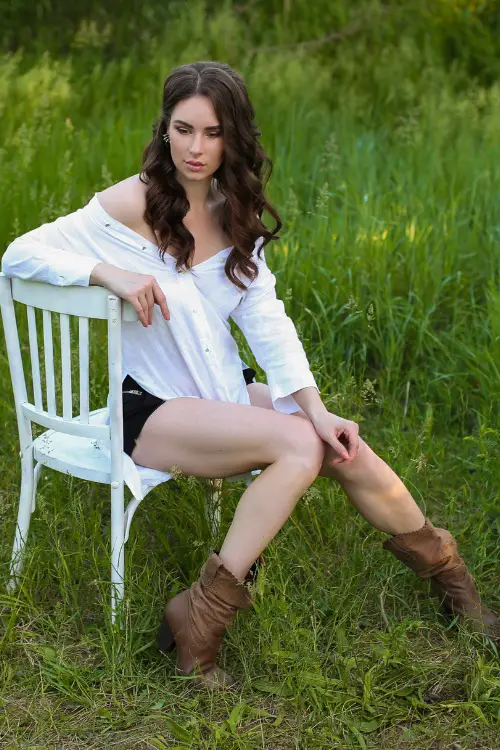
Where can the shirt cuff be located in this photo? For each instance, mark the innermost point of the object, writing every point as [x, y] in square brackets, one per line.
[79, 273]
[69, 271]
[282, 388]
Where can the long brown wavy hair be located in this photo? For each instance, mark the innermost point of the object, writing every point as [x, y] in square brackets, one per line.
[241, 177]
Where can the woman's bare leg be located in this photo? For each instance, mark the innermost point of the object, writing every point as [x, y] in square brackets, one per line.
[218, 439]
[376, 492]
[369, 483]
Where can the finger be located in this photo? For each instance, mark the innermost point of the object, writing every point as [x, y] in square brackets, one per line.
[144, 304]
[161, 300]
[337, 461]
[138, 308]
[341, 461]
[353, 439]
[339, 448]
[151, 303]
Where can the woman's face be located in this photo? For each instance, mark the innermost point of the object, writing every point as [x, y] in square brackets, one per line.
[196, 136]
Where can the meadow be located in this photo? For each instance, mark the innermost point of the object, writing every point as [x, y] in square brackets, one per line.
[387, 178]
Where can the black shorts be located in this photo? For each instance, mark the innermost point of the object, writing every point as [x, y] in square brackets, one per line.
[139, 404]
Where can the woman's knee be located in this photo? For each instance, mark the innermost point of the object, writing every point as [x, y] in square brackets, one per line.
[305, 447]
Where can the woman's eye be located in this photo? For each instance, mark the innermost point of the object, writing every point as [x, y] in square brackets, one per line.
[183, 131]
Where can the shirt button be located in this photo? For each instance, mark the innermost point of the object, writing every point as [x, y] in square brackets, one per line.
[207, 350]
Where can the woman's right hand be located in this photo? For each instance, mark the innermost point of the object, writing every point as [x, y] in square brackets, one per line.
[141, 290]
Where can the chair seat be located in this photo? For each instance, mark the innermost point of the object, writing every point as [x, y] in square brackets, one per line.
[71, 454]
[81, 457]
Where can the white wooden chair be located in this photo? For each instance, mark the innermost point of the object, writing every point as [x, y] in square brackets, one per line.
[68, 445]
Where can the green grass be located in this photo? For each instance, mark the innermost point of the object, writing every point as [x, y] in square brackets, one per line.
[389, 263]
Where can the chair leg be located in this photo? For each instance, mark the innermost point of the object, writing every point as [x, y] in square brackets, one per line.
[117, 553]
[26, 505]
[36, 477]
[213, 508]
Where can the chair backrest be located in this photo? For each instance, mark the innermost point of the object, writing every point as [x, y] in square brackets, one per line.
[85, 303]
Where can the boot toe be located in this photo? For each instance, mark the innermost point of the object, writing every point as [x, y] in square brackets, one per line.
[490, 624]
[479, 617]
[215, 679]
[490, 628]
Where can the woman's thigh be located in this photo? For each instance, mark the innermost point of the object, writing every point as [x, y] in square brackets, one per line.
[217, 439]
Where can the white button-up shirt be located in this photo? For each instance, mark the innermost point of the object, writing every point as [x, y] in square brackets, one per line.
[194, 353]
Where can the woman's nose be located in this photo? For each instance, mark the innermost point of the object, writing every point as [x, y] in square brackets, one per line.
[196, 147]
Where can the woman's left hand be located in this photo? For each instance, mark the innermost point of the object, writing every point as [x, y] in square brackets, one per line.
[341, 434]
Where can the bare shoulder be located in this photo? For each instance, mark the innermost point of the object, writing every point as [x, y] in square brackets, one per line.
[125, 201]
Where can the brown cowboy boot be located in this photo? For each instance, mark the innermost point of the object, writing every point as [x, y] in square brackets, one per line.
[432, 553]
[195, 621]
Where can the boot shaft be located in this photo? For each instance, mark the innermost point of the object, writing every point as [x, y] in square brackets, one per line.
[427, 551]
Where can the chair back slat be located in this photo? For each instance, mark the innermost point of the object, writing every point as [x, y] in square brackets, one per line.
[34, 357]
[48, 350]
[92, 303]
[66, 366]
[83, 347]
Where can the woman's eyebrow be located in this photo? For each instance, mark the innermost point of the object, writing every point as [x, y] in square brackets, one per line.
[210, 127]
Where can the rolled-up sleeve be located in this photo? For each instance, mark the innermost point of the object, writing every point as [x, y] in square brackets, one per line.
[39, 255]
[273, 339]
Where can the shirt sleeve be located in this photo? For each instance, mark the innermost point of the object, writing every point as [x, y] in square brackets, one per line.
[48, 254]
[273, 339]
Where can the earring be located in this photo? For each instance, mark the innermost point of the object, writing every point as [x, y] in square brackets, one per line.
[166, 138]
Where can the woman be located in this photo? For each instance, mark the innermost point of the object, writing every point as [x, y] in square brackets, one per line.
[187, 400]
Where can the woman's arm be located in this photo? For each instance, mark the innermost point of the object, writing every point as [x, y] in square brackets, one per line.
[277, 348]
[273, 339]
[39, 255]
[69, 251]
[310, 402]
